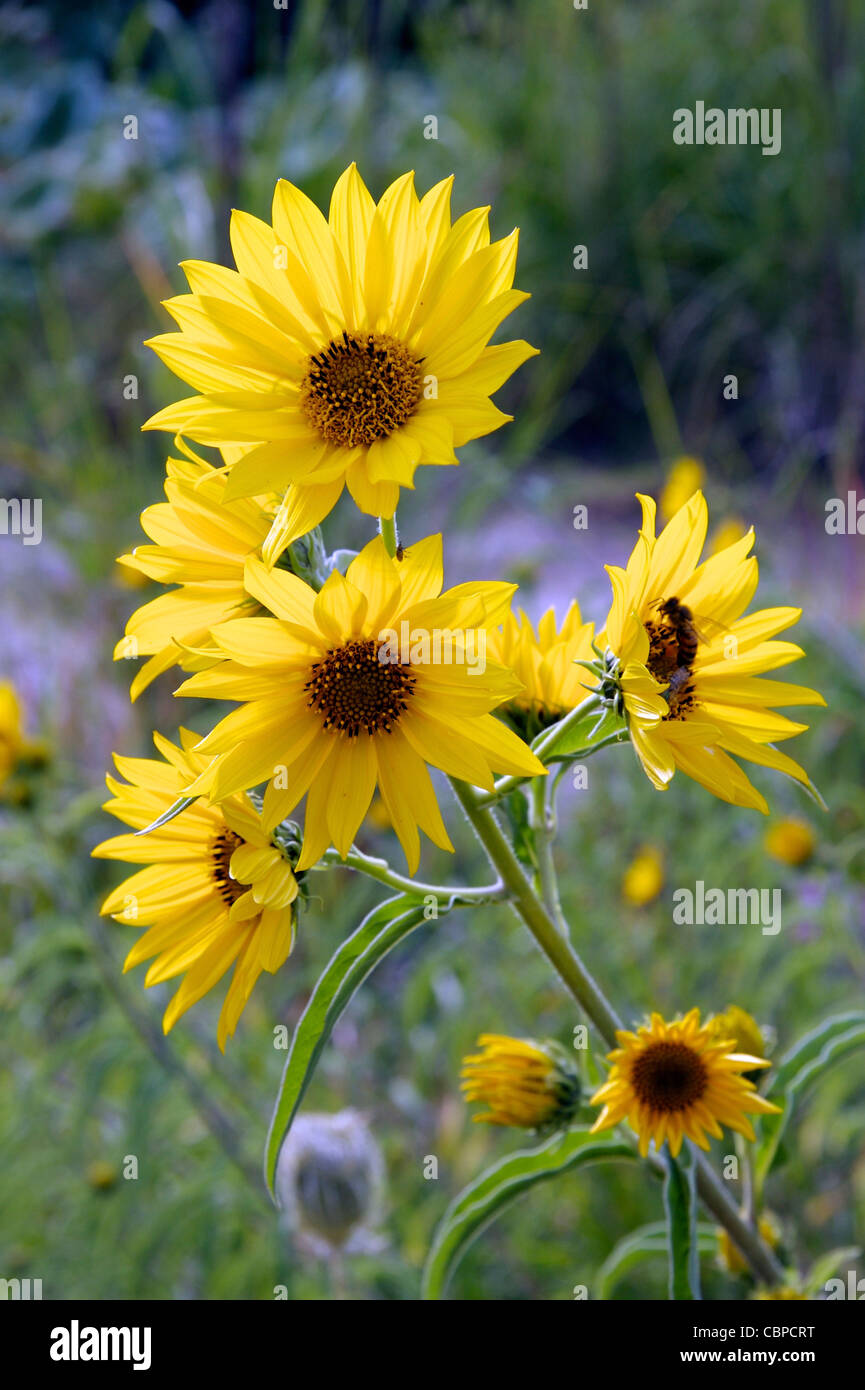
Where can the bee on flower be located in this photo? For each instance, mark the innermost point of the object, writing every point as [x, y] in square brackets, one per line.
[687, 662]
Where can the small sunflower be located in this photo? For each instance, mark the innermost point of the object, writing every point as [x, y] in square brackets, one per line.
[690, 663]
[676, 1081]
[202, 543]
[791, 841]
[344, 350]
[17, 751]
[11, 732]
[643, 879]
[526, 1084]
[553, 684]
[217, 891]
[357, 686]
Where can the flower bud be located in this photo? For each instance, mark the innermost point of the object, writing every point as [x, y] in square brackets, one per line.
[329, 1180]
[532, 1085]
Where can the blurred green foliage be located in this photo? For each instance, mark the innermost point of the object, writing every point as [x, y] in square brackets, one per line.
[700, 263]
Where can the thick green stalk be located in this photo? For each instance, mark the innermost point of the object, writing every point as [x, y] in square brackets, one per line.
[536, 917]
[588, 994]
[542, 819]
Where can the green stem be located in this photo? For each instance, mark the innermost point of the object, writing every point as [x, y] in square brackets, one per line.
[380, 870]
[542, 819]
[387, 529]
[588, 994]
[536, 917]
[552, 735]
[508, 784]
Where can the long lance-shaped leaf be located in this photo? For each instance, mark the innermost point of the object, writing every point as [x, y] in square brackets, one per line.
[479, 1203]
[812, 1056]
[810, 1045]
[680, 1204]
[346, 971]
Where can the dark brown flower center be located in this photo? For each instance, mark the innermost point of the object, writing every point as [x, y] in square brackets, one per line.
[358, 390]
[353, 690]
[221, 851]
[669, 1076]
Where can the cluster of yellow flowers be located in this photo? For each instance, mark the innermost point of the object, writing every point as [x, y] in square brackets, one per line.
[344, 352]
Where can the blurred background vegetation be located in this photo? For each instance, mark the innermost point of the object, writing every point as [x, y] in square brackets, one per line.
[701, 262]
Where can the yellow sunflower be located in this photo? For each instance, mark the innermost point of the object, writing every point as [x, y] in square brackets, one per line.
[217, 891]
[552, 683]
[791, 841]
[643, 878]
[690, 662]
[673, 1081]
[11, 731]
[361, 684]
[17, 751]
[524, 1083]
[202, 543]
[344, 350]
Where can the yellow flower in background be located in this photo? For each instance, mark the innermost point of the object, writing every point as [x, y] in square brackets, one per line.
[217, 892]
[524, 1083]
[738, 1026]
[357, 686]
[377, 815]
[791, 841]
[643, 879]
[726, 533]
[686, 475]
[728, 1252]
[687, 652]
[552, 683]
[676, 1081]
[11, 731]
[102, 1175]
[345, 350]
[16, 749]
[201, 543]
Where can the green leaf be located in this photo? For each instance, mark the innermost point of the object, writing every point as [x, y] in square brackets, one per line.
[179, 805]
[644, 1243]
[522, 836]
[825, 1266]
[806, 1062]
[346, 971]
[581, 737]
[680, 1204]
[479, 1203]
